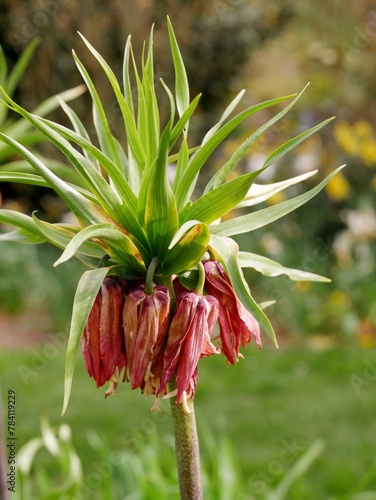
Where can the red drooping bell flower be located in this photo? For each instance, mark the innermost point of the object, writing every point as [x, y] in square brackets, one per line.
[237, 325]
[189, 340]
[145, 321]
[103, 345]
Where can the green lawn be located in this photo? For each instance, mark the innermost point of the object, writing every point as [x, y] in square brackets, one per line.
[272, 406]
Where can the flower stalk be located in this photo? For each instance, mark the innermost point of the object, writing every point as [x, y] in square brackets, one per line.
[186, 447]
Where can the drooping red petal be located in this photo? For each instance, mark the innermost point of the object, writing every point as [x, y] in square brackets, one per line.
[145, 319]
[237, 325]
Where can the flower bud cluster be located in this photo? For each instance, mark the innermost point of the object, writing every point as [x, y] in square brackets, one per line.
[138, 332]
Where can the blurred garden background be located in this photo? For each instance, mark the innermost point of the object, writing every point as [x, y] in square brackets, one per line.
[259, 419]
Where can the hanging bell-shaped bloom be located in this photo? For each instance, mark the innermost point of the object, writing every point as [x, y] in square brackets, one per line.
[237, 325]
[189, 340]
[145, 321]
[103, 343]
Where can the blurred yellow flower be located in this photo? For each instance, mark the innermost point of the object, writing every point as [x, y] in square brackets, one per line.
[346, 138]
[368, 152]
[357, 140]
[339, 298]
[338, 188]
[363, 129]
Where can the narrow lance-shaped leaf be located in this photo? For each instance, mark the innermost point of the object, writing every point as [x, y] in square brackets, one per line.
[218, 202]
[108, 198]
[22, 221]
[86, 292]
[262, 192]
[37, 180]
[80, 130]
[224, 171]
[157, 202]
[227, 112]
[181, 80]
[255, 220]
[181, 124]
[100, 120]
[226, 251]
[184, 189]
[99, 185]
[269, 267]
[60, 235]
[292, 143]
[125, 103]
[75, 201]
[151, 105]
[127, 252]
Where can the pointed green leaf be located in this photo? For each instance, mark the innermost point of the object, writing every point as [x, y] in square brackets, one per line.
[61, 235]
[98, 184]
[224, 171]
[181, 80]
[126, 78]
[181, 125]
[227, 112]
[86, 292]
[292, 143]
[184, 189]
[255, 220]
[119, 245]
[21, 221]
[269, 267]
[127, 112]
[80, 130]
[226, 251]
[262, 192]
[21, 178]
[152, 126]
[122, 212]
[21, 236]
[75, 201]
[182, 161]
[37, 180]
[218, 202]
[100, 120]
[157, 207]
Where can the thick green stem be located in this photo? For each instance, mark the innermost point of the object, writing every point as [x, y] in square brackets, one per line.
[187, 449]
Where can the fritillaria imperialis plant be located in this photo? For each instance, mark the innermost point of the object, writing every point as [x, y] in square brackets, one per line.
[164, 269]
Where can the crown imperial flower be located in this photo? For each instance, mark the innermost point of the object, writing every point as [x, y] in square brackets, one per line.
[141, 213]
[237, 325]
[103, 345]
[145, 321]
[189, 340]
